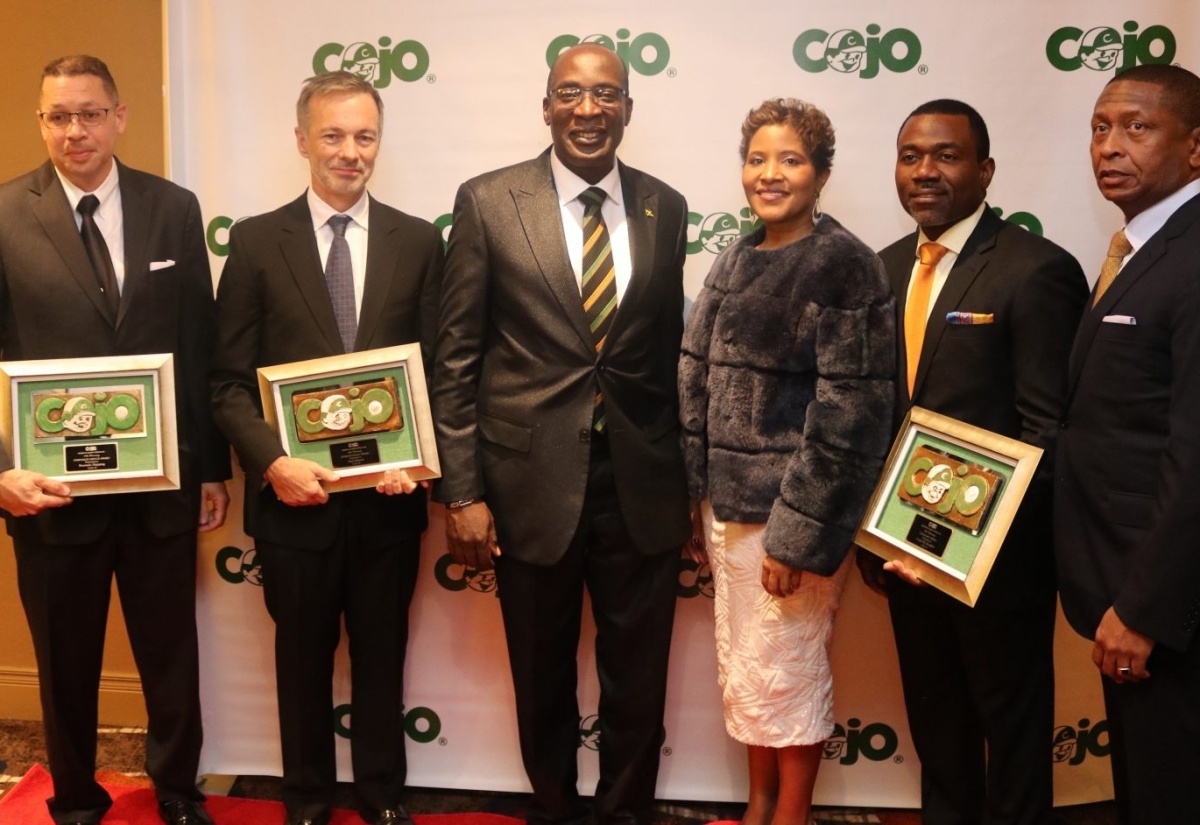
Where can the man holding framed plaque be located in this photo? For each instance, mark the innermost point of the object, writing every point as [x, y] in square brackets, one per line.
[987, 311]
[97, 259]
[332, 274]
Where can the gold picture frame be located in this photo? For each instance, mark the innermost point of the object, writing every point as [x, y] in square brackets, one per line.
[359, 414]
[101, 425]
[946, 499]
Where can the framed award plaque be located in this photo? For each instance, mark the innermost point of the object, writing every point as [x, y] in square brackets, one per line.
[946, 499]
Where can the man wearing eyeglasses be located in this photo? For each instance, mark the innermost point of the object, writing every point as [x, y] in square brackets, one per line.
[97, 259]
[557, 417]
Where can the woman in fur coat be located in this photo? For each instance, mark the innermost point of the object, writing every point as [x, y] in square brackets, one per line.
[786, 402]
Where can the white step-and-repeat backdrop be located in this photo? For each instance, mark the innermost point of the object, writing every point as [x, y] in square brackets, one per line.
[462, 82]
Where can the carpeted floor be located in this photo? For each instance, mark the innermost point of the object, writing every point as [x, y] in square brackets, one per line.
[121, 750]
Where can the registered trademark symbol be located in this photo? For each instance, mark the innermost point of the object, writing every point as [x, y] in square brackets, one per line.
[898, 759]
[431, 78]
[666, 751]
[443, 741]
[671, 72]
[922, 69]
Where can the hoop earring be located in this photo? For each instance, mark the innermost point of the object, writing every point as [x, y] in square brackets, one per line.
[816, 210]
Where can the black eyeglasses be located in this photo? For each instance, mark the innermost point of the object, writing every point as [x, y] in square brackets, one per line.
[607, 97]
[88, 118]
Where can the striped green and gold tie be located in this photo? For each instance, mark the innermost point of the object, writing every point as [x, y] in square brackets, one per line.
[599, 286]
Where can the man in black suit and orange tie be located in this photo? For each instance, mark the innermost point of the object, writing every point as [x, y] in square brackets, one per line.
[332, 272]
[97, 259]
[987, 311]
[558, 429]
[1126, 510]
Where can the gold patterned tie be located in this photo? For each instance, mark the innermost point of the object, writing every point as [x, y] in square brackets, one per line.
[599, 282]
[1118, 248]
[916, 311]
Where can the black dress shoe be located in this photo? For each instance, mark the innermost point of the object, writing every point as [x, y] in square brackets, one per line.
[392, 816]
[183, 812]
[320, 819]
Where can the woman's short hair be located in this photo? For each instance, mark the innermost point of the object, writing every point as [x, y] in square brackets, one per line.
[809, 123]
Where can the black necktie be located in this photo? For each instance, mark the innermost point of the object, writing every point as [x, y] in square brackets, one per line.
[97, 251]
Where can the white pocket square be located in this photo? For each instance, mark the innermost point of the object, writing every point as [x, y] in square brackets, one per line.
[1128, 320]
[157, 265]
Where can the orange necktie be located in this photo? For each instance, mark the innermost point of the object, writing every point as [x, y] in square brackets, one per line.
[1118, 248]
[916, 311]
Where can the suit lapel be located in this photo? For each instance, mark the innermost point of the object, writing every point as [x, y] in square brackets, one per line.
[384, 248]
[53, 212]
[972, 261]
[135, 216]
[537, 207]
[298, 243]
[641, 210]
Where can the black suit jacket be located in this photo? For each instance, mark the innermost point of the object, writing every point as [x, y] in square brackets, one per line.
[517, 371]
[1127, 513]
[273, 308]
[50, 307]
[1007, 376]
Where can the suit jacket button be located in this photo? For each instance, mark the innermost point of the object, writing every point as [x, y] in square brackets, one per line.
[585, 435]
[1064, 424]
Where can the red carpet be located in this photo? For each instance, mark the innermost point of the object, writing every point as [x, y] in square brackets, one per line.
[134, 804]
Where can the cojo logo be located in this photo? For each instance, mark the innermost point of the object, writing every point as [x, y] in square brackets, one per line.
[875, 742]
[589, 732]
[217, 236]
[236, 566]
[1026, 220]
[647, 54]
[718, 230]
[408, 60]
[1103, 48]
[1072, 745]
[443, 224]
[849, 52]
[455, 577]
[421, 725]
[694, 580]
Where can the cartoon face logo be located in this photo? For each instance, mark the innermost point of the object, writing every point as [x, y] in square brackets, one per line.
[835, 746]
[79, 415]
[1064, 745]
[845, 50]
[361, 59]
[937, 482]
[335, 412]
[1100, 48]
[251, 570]
[589, 732]
[719, 231]
[481, 581]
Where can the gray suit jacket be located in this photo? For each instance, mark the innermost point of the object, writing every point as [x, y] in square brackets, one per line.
[517, 371]
[274, 308]
[51, 307]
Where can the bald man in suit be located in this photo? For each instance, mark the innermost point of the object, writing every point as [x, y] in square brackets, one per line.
[558, 429]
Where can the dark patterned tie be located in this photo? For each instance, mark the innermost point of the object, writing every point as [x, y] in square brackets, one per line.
[97, 251]
[339, 280]
[599, 285]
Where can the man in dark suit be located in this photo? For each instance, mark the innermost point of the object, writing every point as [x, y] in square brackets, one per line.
[283, 297]
[156, 298]
[1127, 517]
[558, 429]
[986, 313]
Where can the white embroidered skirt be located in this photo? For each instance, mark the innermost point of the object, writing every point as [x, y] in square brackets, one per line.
[772, 654]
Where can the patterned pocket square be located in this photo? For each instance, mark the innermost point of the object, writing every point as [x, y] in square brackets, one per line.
[969, 318]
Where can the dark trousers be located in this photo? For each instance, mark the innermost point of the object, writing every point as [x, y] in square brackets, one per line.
[1154, 728]
[633, 605]
[307, 594]
[65, 592]
[979, 692]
